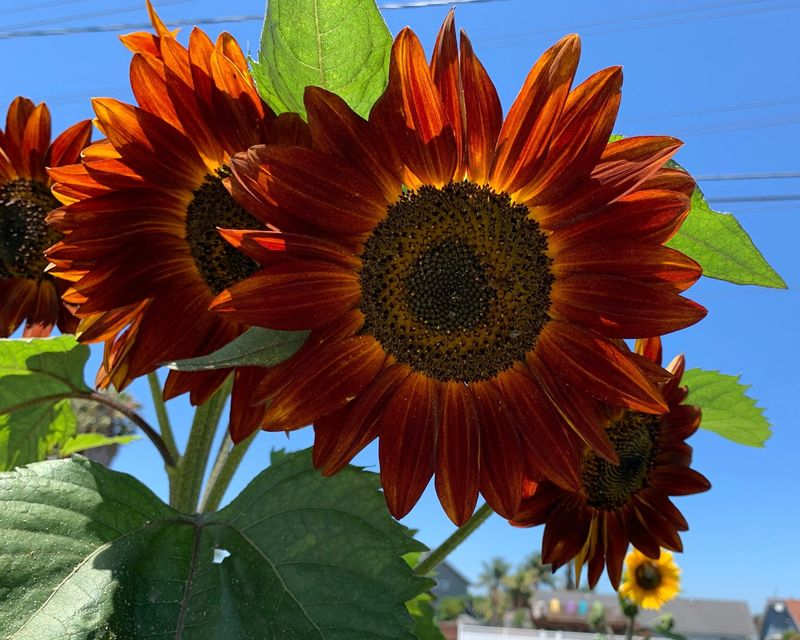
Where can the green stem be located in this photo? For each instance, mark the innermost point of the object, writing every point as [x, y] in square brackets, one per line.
[147, 429]
[161, 413]
[444, 549]
[228, 460]
[191, 469]
[629, 628]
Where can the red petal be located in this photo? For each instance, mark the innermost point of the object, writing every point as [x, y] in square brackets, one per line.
[641, 216]
[313, 188]
[293, 295]
[272, 247]
[624, 165]
[458, 453]
[337, 130]
[246, 414]
[501, 466]
[66, 148]
[447, 78]
[654, 264]
[581, 137]
[35, 142]
[482, 111]
[341, 372]
[588, 361]
[620, 307]
[150, 146]
[527, 131]
[340, 435]
[412, 116]
[650, 348]
[407, 442]
[582, 413]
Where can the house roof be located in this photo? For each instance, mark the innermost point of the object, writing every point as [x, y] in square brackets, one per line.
[693, 616]
[450, 567]
[793, 607]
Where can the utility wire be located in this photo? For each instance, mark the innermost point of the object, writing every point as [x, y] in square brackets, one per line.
[36, 7]
[765, 198]
[33, 33]
[89, 14]
[749, 176]
[586, 30]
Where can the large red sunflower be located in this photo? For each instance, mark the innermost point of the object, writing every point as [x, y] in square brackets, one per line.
[466, 278]
[140, 247]
[627, 502]
[27, 294]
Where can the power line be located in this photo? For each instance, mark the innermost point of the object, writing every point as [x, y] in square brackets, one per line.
[586, 30]
[727, 109]
[34, 33]
[36, 7]
[749, 176]
[90, 14]
[765, 198]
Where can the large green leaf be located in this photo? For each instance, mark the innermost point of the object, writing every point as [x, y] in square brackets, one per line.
[255, 347]
[722, 247]
[727, 409]
[36, 377]
[91, 553]
[340, 45]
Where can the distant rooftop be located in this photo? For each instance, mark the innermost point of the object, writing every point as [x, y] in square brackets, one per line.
[694, 617]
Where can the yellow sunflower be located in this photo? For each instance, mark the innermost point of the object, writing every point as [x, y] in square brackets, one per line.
[650, 583]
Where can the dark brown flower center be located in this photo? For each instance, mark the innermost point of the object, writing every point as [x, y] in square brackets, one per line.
[24, 234]
[220, 265]
[648, 576]
[456, 281]
[610, 486]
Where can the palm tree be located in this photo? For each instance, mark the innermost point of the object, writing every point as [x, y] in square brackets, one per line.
[537, 573]
[492, 577]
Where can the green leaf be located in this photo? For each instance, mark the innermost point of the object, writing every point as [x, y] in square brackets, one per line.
[91, 553]
[421, 610]
[84, 441]
[36, 378]
[722, 247]
[340, 45]
[255, 347]
[727, 409]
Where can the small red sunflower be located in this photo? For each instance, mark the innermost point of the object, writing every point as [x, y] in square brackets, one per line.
[466, 278]
[27, 294]
[141, 249]
[627, 502]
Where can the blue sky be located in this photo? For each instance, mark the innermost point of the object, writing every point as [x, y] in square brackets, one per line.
[722, 76]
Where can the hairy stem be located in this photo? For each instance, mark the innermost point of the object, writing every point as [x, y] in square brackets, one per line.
[444, 549]
[228, 460]
[161, 413]
[192, 466]
[147, 429]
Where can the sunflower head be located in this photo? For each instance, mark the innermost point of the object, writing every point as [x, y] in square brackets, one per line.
[467, 278]
[627, 499]
[27, 294]
[648, 582]
[141, 249]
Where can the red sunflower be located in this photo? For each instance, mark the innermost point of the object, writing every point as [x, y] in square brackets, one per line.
[627, 502]
[27, 294]
[466, 278]
[140, 247]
